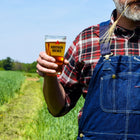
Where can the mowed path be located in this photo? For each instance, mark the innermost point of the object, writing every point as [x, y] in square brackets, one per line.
[17, 116]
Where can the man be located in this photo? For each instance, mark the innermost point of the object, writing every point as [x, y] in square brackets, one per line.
[111, 86]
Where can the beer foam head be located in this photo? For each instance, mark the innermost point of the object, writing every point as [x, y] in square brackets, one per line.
[54, 38]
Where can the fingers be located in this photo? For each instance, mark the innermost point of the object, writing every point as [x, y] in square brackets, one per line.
[66, 62]
[44, 56]
[46, 64]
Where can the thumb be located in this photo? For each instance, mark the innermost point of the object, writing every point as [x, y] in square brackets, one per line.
[66, 61]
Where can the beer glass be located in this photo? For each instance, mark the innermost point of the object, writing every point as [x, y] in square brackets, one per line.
[55, 47]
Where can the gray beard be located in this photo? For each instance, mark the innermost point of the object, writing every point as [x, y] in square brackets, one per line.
[133, 14]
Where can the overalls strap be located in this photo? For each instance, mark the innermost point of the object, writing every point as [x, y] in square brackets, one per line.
[104, 46]
[112, 105]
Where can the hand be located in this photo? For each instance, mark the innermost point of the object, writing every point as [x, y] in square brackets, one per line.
[46, 64]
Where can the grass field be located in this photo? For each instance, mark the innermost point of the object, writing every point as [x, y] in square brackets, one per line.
[10, 83]
[25, 116]
[63, 128]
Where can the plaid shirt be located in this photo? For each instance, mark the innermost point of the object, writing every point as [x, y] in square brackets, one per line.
[84, 54]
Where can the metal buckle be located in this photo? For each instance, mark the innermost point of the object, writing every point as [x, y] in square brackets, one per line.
[108, 55]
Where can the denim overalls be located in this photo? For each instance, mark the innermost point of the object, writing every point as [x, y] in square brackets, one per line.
[112, 107]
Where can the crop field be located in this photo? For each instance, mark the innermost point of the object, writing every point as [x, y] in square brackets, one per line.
[63, 128]
[10, 83]
[24, 114]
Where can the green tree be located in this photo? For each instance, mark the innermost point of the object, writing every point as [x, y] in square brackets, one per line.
[8, 63]
[33, 66]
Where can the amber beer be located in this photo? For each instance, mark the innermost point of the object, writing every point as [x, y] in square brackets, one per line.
[55, 46]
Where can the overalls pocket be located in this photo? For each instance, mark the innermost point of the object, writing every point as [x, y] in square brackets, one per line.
[120, 93]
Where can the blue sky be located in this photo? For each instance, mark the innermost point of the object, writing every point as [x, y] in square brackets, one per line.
[24, 23]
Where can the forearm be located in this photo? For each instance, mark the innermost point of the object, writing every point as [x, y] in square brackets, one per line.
[54, 94]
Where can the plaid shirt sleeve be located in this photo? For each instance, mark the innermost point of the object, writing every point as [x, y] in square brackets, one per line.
[70, 79]
[76, 75]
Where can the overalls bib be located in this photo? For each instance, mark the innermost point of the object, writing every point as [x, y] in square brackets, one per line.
[112, 106]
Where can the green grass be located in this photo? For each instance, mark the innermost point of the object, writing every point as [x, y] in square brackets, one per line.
[17, 115]
[33, 75]
[10, 83]
[26, 117]
[47, 127]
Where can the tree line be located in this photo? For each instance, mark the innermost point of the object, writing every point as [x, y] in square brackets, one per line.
[10, 64]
